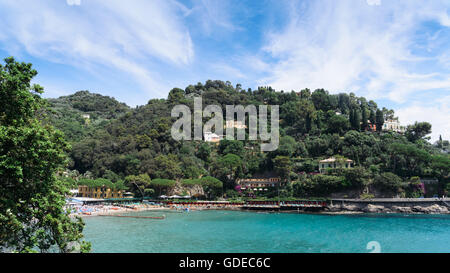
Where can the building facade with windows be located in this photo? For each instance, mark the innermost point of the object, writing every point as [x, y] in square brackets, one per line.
[235, 124]
[334, 163]
[393, 125]
[99, 192]
[211, 137]
[261, 182]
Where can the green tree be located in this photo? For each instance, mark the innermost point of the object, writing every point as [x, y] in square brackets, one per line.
[321, 100]
[365, 118]
[212, 186]
[167, 166]
[32, 199]
[231, 147]
[338, 124]
[228, 167]
[441, 165]
[162, 184]
[204, 152]
[372, 117]
[356, 125]
[357, 177]
[417, 131]
[139, 185]
[282, 166]
[176, 95]
[379, 120]
[388, 182]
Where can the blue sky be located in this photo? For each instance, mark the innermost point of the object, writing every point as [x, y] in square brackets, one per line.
[394, 52]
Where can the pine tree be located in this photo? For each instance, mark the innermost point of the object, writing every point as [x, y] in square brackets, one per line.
[379, 120]
[372, 117]
[364, 123]
[352, 117]
[356, 120]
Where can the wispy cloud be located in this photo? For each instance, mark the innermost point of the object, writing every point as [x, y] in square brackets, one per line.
[435, 110]
[213, 16]
[389, 51]
[351, 46]
[73, 2]
[381, 50]
[123, 35]
[227, 71]
[373, 2]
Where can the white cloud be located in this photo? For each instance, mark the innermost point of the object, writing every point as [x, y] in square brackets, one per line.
[437, 114]
[348, 46]
[373, 2]
[212, 17]
[341, 46]
[114, 34]
[227, 71]
[73, 2]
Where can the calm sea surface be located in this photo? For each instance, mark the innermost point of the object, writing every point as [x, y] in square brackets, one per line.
[237, 231]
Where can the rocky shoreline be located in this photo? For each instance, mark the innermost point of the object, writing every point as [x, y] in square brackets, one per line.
[373, 208]
[333, 206]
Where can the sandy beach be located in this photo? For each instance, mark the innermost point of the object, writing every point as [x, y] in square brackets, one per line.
[96, 210]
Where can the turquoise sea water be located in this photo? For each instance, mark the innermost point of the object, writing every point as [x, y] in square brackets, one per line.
[239, 231]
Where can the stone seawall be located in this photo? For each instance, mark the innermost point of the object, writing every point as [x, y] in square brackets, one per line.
[390, 205]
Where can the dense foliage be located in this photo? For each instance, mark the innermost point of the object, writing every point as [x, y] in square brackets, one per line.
[79, 114]
[313, 126]
[32, 199]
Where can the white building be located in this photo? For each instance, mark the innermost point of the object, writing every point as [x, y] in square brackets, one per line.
[334, 163]
[393, 125]
[211, 137]
[235, 124]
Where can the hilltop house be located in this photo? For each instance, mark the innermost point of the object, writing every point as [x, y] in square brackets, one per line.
[260, 181]
[393, 125]
[334, 163]
[235, 124]
[211, 137]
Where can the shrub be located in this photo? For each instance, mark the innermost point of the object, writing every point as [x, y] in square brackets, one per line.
[388, 182]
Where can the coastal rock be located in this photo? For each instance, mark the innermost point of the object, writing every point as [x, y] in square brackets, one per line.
[402, 209]
[374, 208]
[194, 190]
[419, 209]
[430, 209]
[351, 207]
[435, 209]
[333, 208]
[387, 210]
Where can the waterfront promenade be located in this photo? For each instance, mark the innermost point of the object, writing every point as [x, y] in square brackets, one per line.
[344, 206]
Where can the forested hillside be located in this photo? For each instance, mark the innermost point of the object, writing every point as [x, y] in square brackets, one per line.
[78, 114]
[119, 143]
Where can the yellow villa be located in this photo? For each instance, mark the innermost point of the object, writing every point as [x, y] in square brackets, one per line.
[99, 192]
